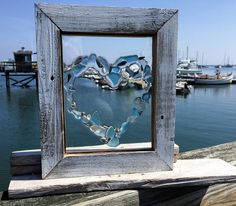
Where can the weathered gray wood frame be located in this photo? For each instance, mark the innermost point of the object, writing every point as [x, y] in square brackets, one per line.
[52, 21]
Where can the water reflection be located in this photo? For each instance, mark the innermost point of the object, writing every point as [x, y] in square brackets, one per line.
[216, 90]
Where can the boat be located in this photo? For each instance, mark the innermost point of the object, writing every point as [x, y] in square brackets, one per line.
[218, 66]
[182, 87]
[214, 80]
[188, 68]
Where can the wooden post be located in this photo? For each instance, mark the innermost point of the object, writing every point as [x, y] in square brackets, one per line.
[7, 79]
[36, 79]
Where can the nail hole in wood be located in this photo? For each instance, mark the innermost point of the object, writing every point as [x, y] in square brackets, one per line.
[52, 77]
[162, 117]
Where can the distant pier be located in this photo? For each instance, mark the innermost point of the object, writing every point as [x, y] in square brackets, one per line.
[11, 70]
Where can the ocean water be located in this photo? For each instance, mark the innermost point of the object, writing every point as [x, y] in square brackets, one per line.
[205, 117]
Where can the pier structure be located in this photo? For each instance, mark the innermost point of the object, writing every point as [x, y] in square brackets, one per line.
[21, 66]
[212, 194]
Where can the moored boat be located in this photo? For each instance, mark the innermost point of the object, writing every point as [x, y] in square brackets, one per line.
[188, 69]
[214, 80]
[182, 87]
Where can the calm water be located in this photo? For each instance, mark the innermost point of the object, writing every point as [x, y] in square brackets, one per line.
[204, 118]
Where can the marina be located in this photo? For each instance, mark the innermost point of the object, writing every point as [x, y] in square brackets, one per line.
[205, 117]
[118, 103]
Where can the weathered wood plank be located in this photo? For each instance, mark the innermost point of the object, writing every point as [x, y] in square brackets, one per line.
[217, 194]
[226, 152]
[29, 161]
[164, 86]
[107, 20]
[50, 91]
[108, 164]
[185, 173]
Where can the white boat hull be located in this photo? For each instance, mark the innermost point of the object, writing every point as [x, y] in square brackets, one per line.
[213, 81]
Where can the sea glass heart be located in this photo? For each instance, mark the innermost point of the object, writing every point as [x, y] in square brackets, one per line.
[128, 71]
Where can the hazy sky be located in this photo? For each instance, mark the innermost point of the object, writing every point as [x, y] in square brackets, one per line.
[206, 26]
[111, 48]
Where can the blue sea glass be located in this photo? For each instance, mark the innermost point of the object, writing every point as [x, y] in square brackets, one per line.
[110, 133]
[95, 119]
[115, 70]
[113, 142]
[123, 74]
[146, 96]
[147, 70]
[75, 113]
[124, 127]
[139, 104]
[103, 66]
[98, 130]
[113, 79]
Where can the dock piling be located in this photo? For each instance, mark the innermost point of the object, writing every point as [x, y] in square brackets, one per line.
[7, 79]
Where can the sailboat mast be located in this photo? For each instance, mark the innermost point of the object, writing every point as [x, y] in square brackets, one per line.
[187, 53]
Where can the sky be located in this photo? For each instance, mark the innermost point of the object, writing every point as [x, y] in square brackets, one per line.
[207, 27]
[111, 48]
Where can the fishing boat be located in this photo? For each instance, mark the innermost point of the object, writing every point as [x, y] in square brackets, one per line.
[188, 68]
[214, 80]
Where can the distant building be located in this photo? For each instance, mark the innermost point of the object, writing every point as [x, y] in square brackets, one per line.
[23, 60]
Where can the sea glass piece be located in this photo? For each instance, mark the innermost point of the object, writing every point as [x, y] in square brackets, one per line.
[123, 74]
[95, 119]
[146, 96]
[103, 64]
[139, 104]
[84, 118]
[98, 130]
[113, 142]
[138, 76]
[79, 59]
[115, 70]
[110, 133]
[131, 58]
[113, 79]
[149, 79]
[135, 114]
[131, 119]
[134, 67]
[79, 69]
[147, 70]
[124, 127]
[75, 113]
[69, 97]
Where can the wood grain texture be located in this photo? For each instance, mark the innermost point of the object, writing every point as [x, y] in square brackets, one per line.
[50, 91]
[54, 20]
[29, 161]
[107, 20]
[226, 152]
[108, 164]
[185, 173]
[217, 194]
[166, 44]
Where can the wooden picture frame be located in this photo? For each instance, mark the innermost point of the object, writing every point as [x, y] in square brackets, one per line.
[54, 20]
